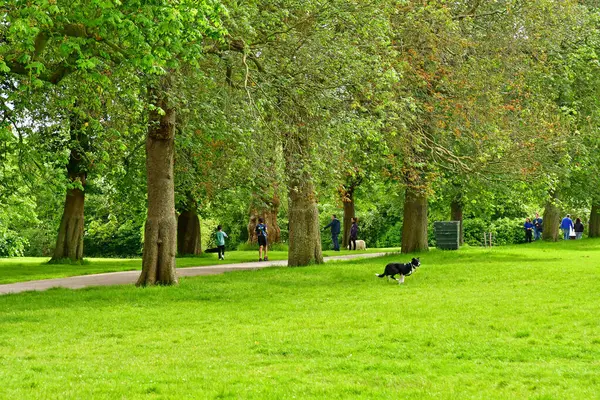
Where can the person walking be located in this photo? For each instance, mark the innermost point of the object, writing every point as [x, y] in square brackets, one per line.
[566, 225]
[261, 234]
[221, 242]
[538, 227]
[578, 229]
[335, 232]
[353, 234]
[528, 230]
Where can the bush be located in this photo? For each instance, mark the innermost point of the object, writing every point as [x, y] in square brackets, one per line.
[42, 240]
[504, 231]
[11, 244]
[508, 231]
[113, 239]
[473, 230]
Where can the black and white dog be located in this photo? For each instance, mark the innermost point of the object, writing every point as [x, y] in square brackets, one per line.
[393, 269]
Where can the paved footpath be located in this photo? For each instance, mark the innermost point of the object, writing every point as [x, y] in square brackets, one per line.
[130, 277]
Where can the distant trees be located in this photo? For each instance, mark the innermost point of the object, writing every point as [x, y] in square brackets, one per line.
[293, 103]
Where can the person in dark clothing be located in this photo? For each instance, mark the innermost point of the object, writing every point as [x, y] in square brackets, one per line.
[353, 234]
[578, 229]
[538, 227]
[335, 232]
[261, 235]
[528, 230]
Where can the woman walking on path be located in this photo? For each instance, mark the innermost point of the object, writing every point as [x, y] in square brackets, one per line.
[353, 234]
[578, 229]
[528, 230]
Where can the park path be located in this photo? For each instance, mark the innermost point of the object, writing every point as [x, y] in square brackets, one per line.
[130, 277]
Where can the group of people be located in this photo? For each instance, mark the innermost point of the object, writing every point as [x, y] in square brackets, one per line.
[261, 235]
[571, 229]
[335, 226]
[534, 229]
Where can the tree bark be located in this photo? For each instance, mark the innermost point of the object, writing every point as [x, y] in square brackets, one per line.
[269, 215]
[414, 226]
[304, 231]
[305, 235]
[160, 238]
[456, 214]
[551, 220]
[69, 242]
[188, 233]
[349, 213]
[594, 230]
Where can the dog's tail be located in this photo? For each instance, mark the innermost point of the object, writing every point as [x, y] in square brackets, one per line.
[380, 275]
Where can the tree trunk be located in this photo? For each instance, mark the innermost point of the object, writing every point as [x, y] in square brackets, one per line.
[594, 230]
[551, 220]
[69, 243]
[304, 231]
[305, 235]
[188, 233]
[349, 213]
[269, 215]
[414, 226]
[160, 238]
[456, 214]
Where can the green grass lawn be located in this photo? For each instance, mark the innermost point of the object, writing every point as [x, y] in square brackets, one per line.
[23, 269]
[519, 322]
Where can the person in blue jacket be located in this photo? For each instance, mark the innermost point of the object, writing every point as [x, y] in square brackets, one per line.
[528, 230]
[538, 227]
[335, 232]
[566, 225]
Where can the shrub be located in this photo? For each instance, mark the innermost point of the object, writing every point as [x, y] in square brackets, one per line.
[11, 244]
[504, 231]
[113, 239]
[508, 231]
[42, 240]
[473, 230]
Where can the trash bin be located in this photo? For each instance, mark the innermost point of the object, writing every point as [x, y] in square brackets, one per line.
[447, 235]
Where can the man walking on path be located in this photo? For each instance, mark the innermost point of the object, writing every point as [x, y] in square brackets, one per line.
[335, 231]
[566, 225]
[538, 227]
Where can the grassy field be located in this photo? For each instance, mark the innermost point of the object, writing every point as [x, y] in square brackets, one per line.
[518, 322]
[32, 268]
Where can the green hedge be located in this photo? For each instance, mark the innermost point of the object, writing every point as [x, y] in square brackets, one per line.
[504, 231]
[12, 244]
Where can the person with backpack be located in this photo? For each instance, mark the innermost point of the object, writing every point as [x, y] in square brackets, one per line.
[221, 242]
[261, 235]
